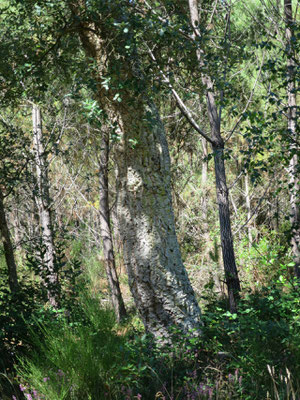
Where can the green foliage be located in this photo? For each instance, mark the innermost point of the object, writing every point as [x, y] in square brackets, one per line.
[14, 153]
[16, 316]
[265, 332]
[265, 261]
[21, 312]
[76, 358]
[235, 355]
[85, 355]
[78, 351]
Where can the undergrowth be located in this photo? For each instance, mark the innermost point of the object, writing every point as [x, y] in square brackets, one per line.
[86, 355]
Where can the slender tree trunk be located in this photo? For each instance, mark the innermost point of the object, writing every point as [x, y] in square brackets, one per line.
[105, 231]
[204, 183]
[157, 278]
[50, 277]
[8, 249]
[248, 206]
[292, 127]
[231, 273]
[17, 235]
[204, 199]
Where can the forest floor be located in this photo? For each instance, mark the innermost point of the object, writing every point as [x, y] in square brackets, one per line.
[81, 352]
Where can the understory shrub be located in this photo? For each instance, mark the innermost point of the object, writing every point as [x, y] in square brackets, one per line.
[252, 355]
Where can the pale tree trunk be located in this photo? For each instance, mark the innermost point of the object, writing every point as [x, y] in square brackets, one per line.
[16, 232]
[231, 273]
[204, 176]
[248, 207]
[292, 127]
[8, 249]
[50, 276]
[157, 278]
[105, 231]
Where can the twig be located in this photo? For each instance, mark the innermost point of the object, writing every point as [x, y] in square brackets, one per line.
[183, 108]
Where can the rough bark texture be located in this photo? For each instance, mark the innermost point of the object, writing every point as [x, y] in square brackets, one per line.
[105, 231]
[157, 277]
[292, 127]
[231, 273]
[158, 281]
[50, 276]
[8, 249]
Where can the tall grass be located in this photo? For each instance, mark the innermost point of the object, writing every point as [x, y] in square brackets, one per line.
[74, 360]
[252, 355]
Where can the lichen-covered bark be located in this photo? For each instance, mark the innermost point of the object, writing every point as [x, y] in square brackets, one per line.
[50, 276]
[157, 277]
[292, 127]
[158, 281]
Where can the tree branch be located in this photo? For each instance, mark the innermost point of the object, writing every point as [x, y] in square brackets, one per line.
[182, 107]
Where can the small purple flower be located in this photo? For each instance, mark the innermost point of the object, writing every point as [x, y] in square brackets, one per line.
[35, 394]
[240, 380]
[46, 379]
[210, 393]
[60, 373]
[200, 388]
[28, 396]
[230, 377]
[139, 396]
[22, 388]
[14, 397]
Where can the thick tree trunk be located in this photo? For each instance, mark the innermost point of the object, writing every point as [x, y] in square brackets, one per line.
[105, 231]
[50, 276]
[292, 127]
[8, 249]
[158, 280]
[231, 273]
[157, 277]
